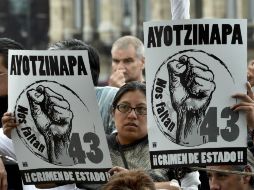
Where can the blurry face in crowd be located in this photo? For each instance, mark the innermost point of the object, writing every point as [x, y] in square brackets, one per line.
[227, 181]
[250, 73]
[131, 126]
[127, 61]
[3, 78]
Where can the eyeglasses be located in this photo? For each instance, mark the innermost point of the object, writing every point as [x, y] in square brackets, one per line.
[127, 109]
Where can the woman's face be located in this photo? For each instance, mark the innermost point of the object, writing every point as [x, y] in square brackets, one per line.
[131, 126]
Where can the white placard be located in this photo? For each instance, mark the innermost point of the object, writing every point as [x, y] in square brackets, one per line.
[193, 67]
[61, 136]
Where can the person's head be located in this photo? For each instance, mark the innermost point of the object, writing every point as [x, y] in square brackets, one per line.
[74, 44]
[5, 45]
[131, 180]
[228, 181]
[250, 73]
[128, 55]
[129, 111]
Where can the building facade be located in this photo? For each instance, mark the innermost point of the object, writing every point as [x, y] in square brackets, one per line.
[101, 22]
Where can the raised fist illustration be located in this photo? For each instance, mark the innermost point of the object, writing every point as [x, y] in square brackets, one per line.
[53, 118]
[191, 85]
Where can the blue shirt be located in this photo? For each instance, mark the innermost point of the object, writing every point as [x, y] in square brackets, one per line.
[105, 96]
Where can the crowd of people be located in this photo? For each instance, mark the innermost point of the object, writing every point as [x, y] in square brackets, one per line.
[126, 128]
[133, 124]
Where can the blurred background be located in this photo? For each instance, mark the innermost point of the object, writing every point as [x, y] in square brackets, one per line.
[36, 23]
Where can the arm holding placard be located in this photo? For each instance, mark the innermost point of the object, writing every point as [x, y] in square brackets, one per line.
[246, 105]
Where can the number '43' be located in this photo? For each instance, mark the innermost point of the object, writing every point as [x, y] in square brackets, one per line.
[95, 154]
[210, 128]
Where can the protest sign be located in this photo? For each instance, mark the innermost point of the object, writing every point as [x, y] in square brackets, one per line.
[193, 67]
[61, 136]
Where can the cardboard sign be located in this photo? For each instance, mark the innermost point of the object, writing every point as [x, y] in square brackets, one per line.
[193, 67]
[60, 137]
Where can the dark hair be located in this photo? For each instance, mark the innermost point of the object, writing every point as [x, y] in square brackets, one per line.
[5, 45]
[93, 55]
[130, 86]
[131, 180]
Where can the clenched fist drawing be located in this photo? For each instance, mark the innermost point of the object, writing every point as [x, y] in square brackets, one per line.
[53, 118]
[191, 85]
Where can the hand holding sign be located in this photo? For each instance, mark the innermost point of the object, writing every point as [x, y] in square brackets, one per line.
[246, 105]
[191, 85]
[53, 119]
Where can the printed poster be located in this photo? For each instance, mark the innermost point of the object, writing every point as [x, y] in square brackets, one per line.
[193, 67]
[61, 136]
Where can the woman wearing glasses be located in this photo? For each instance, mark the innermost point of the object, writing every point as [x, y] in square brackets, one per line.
[129, 145]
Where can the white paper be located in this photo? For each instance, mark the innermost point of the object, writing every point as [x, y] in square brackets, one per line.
[61, 135]
[193, 67]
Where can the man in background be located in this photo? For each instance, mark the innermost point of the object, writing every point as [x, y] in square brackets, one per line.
[128, 61]
[227, 181]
